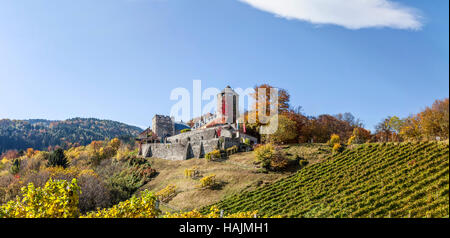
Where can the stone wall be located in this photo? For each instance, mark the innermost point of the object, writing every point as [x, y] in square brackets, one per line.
[167, 151]
[172, 151]
[191, 136]
[230, 142]
[192, 144]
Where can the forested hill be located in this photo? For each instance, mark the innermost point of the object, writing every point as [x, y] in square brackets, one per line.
[40, 134]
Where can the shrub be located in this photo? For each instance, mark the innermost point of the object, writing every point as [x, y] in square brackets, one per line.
[57, 158]
[95, 193]
[213, 155]
[115, 144]
[107, 152]
[135, 207]
[4, 160]
[61, 173]
[129, 177]
[166, 194]
[278, 161]
[57, 199]
[30, 152]
[232, 150]
[286, 132]
[141, 167]
[263, 155]
[303, 163]
[208, 181]
[359, 136]
[192, 172]
[185, 130]
[335, 139]
[34, 164]
[351, 140]
[122, 185]
[337, 148]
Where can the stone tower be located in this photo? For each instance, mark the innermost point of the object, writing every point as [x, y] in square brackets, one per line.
[163, 126]
[228, 106]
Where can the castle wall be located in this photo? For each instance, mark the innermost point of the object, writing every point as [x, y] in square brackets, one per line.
[230, 142]
[167, 151]
[201, 148]
[196, 135]
[173, 151]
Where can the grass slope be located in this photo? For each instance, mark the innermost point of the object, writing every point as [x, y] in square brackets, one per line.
[373, 180]
[235, 174]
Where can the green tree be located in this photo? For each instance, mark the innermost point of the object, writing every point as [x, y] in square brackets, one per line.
[57, 158]
[15, 167]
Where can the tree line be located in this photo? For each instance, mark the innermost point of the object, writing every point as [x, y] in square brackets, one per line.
[296, 127]
[42, 134]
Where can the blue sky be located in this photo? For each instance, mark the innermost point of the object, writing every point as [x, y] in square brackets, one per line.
[120, 59]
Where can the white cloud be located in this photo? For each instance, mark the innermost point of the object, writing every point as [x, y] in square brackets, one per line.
[352, 14]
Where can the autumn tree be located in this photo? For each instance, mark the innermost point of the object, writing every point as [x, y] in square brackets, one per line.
[115, 143]
[300, 121]
[410, 129]
[350, 119]
[431, 123]
[359, 136]
[10, 154]
[435, 120]
[320, 129]
[264, 100]
[30, 152]
[287, 131]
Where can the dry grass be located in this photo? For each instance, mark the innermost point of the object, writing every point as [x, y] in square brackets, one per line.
[314, 153]
[235, 175]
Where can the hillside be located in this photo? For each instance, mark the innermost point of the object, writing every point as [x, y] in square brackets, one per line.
[235, 175]
[39, 134]
[372, 180]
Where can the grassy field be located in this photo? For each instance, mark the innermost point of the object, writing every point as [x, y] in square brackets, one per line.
[372, 180]
[235, 175]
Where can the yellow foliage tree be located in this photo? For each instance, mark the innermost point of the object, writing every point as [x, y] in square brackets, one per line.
[264, 154]
[334, 140]
[30, 152]
[57, 199]
[115, 143]
[135, 207]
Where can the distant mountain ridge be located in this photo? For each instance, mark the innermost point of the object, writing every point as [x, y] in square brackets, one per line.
[41, 133]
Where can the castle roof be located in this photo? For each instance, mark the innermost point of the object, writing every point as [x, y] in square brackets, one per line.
[228, 89]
